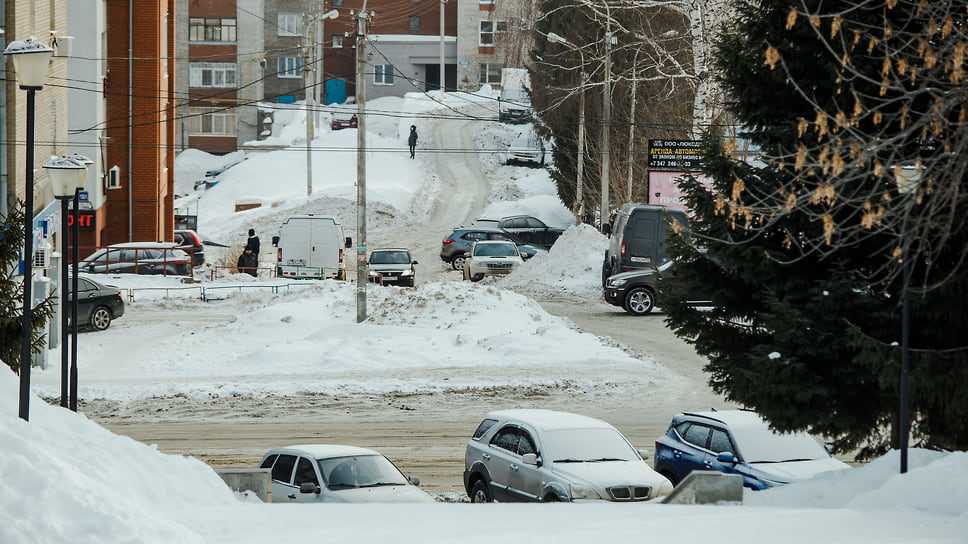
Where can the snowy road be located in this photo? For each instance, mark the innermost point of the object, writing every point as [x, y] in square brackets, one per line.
[424, 432]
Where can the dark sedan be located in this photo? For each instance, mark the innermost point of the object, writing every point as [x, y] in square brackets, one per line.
[636, 290]
[97, 304]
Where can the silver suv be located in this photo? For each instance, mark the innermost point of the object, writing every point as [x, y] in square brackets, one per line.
[546, 456]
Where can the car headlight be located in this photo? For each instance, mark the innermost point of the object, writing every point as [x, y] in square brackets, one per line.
[664, 488]
[583, 492]
[407, 272]
[617, 282]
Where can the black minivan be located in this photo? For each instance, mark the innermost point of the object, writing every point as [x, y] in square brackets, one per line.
[637, 238]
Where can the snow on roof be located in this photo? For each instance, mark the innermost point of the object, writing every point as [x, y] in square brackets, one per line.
[324, 451]
[734, 418]
[550, 420]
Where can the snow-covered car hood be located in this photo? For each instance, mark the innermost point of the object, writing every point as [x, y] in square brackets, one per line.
[605, 474]
[387, 493]
[790, 471]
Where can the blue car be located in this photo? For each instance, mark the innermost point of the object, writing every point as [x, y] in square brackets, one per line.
[739, 442]
[455, 247]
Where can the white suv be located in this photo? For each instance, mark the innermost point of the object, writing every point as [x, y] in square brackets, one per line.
[546, 456]
[491, 257]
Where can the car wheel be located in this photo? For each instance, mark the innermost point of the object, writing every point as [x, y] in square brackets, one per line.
[551, 498]
[477, 277]
[480, 492]
[101, 318]
[639, 301]
[458, 262]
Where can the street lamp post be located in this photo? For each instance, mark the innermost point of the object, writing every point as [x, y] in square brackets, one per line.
[30, 61]
[908, 177]
[579, 208]
[75, 257]
[65, 175]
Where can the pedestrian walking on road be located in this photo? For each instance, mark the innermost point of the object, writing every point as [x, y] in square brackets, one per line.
[412, 140]
[248, 262]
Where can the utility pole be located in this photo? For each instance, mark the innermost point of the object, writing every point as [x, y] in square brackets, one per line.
[606, 127]
[308, 82]
[443, 78]
[635, 63]
[362, 270]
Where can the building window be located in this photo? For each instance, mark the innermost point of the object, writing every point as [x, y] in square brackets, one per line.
[383, 74]
[212, 74]
[490, 31]
[212, 122]
[290, 67]
[491, 73]
[337, 41]
[290, 24]
[211, 29]
[414, 24]
[337, 3]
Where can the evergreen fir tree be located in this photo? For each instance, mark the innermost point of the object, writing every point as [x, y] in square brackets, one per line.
[806, 326]
[11, 295]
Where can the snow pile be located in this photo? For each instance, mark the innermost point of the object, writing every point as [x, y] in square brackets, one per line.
[411, 338]
[936, 482]
[573, 265]
[67, 479]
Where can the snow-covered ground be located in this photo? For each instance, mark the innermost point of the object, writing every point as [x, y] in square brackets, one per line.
[66, 478]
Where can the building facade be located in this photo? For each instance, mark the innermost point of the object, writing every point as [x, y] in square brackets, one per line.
[139, 89]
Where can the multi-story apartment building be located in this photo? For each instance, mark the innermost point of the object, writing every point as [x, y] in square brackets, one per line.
[492, 34]
[234, 54]
[139, 88]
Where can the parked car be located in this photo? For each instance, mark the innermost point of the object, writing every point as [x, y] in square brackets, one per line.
[547, 456]
[526, 148]
[332, 473]
[454, 248]
[637, 237]
[739, 442]
[393, 266]
[530, 229]
[189, 242]
[636, 290]
[138, 258]
[97, 304]
[491, 258]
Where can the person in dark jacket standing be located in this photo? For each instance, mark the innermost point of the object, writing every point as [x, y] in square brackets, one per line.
[253, 242]
[412, 140]
[248, 262]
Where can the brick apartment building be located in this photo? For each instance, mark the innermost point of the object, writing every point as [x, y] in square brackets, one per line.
[139, 89]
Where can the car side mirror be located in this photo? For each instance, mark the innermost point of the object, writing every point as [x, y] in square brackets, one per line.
[275, 241]
[349, 242]
[414, 480]
[530, 459]
[414, 262]
[726, 457]
[308, 487]
[643, 454]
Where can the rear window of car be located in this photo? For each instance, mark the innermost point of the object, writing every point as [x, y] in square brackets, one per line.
[282, 470]
[483, 427]
[267, 463]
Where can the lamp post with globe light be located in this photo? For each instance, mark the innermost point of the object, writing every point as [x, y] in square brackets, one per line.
[907, 176]
[30, 62]
[75, 237]
[66, 175]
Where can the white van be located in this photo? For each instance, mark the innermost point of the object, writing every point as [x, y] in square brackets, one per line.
[311, 246]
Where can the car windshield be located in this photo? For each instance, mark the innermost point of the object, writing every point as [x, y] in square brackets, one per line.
[359, 471]
[586, 445]
[390, 257]
[761, 445]
[495, 250]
